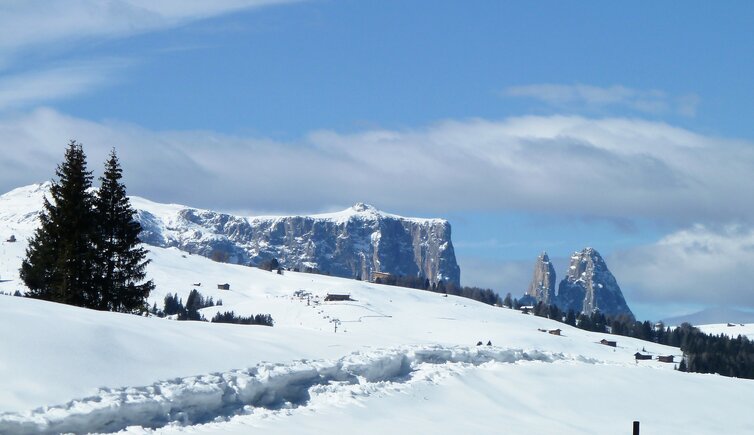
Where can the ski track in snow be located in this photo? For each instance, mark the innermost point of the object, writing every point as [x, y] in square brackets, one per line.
[268, 386]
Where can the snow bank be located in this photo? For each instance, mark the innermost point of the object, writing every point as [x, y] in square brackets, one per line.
[201, 399]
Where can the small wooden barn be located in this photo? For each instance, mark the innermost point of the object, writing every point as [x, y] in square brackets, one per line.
[225, 286]
[336, 297]
[554, 331]
[641, 356]
[609, 343]
[380, 276]
[665, 358]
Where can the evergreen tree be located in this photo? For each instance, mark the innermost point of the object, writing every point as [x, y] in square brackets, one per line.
[570, 318]
[59, 262]
[508, 301]
[122, 260]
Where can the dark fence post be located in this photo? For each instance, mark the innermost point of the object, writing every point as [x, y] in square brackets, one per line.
[636, 428]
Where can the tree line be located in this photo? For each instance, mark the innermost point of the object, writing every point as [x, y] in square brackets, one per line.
[487, 296]
[86, 251]
[703, 353]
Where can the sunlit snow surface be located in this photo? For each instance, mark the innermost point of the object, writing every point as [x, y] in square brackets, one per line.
[401, 361]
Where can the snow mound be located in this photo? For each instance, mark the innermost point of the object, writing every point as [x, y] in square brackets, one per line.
[201, 399]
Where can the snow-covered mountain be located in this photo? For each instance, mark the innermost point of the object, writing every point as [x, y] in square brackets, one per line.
[352, 243]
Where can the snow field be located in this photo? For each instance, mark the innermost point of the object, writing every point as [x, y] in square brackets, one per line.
[200, 399]
[746, 329]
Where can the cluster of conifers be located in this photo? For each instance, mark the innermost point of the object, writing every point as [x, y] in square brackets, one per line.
[86, 251]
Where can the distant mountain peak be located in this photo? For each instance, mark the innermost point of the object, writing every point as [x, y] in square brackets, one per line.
[590, 286]
[361, 207]
[542, 287]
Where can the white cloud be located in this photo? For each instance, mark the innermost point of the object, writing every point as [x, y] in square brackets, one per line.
[613, 168]
[56, 83]
[49, 26]
[697, 265]
[28, 23]
[594, 97]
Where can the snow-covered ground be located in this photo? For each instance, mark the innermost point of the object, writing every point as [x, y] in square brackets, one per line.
[730, 329]
[401, 360]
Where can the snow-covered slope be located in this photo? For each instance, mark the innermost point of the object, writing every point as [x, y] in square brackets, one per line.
[401, 360]
[730, 329]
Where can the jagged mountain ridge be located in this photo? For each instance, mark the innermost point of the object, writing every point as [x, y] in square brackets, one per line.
[352, 243]
[588, 286]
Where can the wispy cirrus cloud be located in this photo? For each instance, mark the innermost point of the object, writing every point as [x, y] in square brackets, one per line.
[28, 23]
[54, 26]
[58, 82]
[595, 97]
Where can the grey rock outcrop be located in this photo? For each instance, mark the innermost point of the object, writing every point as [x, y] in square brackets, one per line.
[353, 243]
[542, 287]
[589, 286]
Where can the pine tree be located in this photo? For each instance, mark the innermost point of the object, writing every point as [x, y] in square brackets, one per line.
[508, 301]
[122, 260]
[59, 263]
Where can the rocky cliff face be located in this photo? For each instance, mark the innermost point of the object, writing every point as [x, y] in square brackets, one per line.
[352, 243]
[542, 287]
[590, 286]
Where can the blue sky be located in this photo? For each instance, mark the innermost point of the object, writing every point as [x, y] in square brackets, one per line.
[549, 126]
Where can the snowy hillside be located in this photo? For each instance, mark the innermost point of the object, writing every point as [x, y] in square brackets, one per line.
[730, 329]
[401, 360]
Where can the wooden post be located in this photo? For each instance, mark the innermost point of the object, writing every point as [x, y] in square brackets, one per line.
[636, 428]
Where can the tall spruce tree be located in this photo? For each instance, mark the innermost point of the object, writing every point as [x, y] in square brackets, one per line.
[59, 263]
[122, 260]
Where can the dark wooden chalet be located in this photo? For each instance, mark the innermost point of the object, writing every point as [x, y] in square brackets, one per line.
[609, 343]
[554, 331]
[336, 297]
[665, 358]
[225, 286]
[641, 356]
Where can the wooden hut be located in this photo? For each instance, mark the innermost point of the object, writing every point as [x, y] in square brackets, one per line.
[665, 358]
[609, 343]
[225, 286]
[554, 331]
[335, 297]
[641, 356]
[381, 277]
